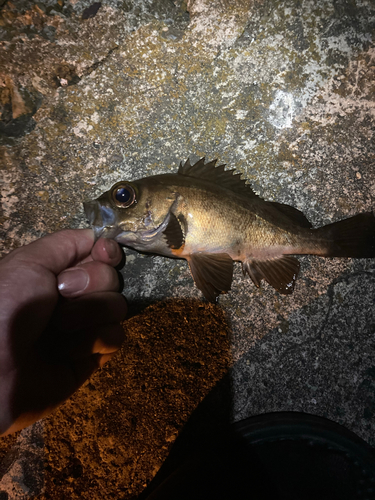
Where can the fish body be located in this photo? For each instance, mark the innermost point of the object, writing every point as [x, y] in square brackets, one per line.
[211, 217]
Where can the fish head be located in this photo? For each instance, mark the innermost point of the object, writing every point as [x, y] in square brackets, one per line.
[135, 214]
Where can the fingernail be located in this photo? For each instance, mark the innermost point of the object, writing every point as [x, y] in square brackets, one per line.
[72, 281]
[111, 248]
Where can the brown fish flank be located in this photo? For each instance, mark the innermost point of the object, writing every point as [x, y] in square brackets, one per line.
[211, 217]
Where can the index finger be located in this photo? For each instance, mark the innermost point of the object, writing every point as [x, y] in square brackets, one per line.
[57, 251]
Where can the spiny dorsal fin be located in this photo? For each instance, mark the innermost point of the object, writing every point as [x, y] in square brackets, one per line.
[229, 179]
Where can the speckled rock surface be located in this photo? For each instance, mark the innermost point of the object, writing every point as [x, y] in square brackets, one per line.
[283, 91]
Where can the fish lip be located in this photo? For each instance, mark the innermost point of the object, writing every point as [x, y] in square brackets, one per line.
[94, 214]
[99, 214]
[89, 208]
[100, 231]
[105, 232]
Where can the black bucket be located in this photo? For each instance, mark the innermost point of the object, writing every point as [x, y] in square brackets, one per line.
[279, 456]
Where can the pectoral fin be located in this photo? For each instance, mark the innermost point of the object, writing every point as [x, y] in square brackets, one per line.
[212, 273]
[280, 273]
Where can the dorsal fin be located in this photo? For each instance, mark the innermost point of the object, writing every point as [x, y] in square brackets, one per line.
[229, 179]
[293, 213]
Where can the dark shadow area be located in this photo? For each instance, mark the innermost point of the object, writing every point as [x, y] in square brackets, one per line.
[52, 350]
[173, 377]
[202, 435]
[137, 306]
[328, 341]
[121, 424]
[17, 108]
[209, 459]
[280, 456]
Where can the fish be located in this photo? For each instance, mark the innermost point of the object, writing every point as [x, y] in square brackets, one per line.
[212, 217]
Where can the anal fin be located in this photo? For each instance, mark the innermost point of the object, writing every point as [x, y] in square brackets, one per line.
[256, 277]
[280, 273]
[211, 272]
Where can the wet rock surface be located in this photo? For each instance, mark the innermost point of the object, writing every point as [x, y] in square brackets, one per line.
[95, 92]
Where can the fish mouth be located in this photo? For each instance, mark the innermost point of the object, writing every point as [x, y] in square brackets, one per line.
[142, 240]
[90, 211]
[151, 234]
[103, 222]
[101, 219]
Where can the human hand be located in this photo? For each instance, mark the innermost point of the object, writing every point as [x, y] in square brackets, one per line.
[60, 314]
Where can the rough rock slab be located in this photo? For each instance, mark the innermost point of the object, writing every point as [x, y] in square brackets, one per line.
[281, 90]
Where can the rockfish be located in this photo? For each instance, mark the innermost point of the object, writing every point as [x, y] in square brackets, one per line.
[211, 217]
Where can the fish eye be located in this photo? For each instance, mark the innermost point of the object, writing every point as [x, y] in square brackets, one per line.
[123, 196]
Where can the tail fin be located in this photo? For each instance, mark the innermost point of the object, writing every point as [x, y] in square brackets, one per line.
[353, 237]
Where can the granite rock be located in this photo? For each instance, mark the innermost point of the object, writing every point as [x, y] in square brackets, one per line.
[283, 91]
